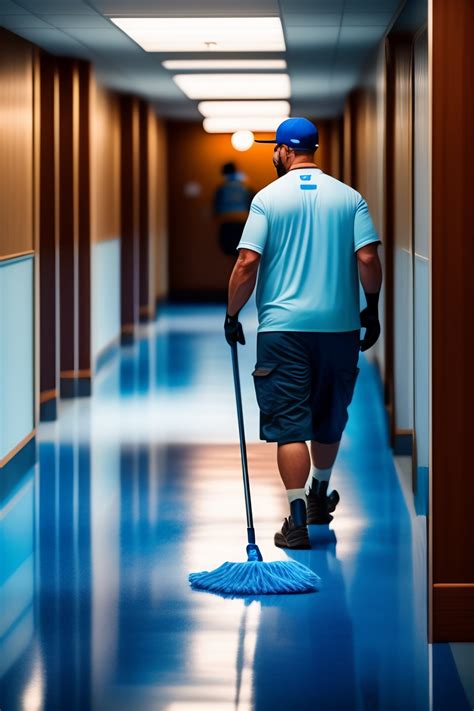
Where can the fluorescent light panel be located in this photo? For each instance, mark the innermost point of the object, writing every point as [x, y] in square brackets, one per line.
[225, 64]
[240, 123]
[204, 34]
[214, 109]
[234, 86]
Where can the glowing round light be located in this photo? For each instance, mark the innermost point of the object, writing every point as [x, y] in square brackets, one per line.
[242, 140]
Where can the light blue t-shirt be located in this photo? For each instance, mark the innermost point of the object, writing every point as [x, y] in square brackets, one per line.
[307, 226]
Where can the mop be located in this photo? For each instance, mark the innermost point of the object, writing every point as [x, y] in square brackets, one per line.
[253, 576]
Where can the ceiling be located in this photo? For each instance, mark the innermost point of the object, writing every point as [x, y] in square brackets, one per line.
[328, 43]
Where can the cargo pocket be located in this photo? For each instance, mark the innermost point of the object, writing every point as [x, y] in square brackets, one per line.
[264, 381]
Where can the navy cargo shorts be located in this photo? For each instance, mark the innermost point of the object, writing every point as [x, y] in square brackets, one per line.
[304, 382]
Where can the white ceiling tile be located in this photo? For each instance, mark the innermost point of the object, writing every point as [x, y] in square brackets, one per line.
[318, 20]
[308, 36]
[311, 6]
[105, 39]
[14, 22]
[7, 7]
[360, 36]
[305, 87]
[364, 19]
[365, 6]
[58, 7]
[54, 41]
[78, 21]
[187, 8]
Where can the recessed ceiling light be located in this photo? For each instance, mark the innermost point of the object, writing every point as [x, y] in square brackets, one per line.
[242, 140]
[224, 64]
[244, 108]
[234, 86]
[231, 124]
[204, 34]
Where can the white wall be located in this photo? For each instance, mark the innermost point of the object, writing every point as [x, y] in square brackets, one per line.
[105, 294]
[16, 352]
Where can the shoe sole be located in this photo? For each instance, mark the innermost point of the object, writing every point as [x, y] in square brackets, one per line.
[281, 542]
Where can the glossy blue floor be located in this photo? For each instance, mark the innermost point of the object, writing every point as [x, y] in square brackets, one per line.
[139, 485]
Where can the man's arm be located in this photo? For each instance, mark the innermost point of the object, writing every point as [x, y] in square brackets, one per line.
[370, 272]
[242, 280]
[370, 269]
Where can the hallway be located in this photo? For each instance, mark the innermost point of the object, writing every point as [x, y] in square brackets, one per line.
[139, 485]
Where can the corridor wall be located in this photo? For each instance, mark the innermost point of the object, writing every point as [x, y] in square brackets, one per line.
[17, 245]
[158, 204]
[153, 211]
[61, 231]
[421, 270]
[105, 215]
[451, 210]
[364, 162]
[400, 226]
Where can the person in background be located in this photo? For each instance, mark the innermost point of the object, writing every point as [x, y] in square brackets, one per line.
[311, 239]
[231, 206]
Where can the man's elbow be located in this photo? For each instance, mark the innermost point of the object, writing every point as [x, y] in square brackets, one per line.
[248, 261]
[368, 257]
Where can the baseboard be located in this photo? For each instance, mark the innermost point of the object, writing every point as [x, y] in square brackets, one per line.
[453, 612]
[107, 353]
[75, 386]
[127, 334]
[48, 411]
[146, 314]
[403, 443]
[16, 467]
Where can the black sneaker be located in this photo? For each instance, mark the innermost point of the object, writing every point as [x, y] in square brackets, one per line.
[294, 532]
[320, 506]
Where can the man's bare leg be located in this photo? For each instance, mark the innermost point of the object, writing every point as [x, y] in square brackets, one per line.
[294, 463]
[324, 455]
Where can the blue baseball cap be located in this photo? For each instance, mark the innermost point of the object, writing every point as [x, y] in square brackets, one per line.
[297, 133]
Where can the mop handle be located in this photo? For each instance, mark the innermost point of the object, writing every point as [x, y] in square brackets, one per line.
[243, 448]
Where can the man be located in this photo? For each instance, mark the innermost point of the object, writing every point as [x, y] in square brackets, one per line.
[231, 206]
[311, 238]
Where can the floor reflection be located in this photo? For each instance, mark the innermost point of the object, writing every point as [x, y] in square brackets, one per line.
[141, 484]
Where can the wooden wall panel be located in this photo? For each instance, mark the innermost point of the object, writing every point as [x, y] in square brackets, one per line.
[74, 226]
[16, 145]
[160, 209]
[197, 265]
[146, 307]
[84, 228]
[105, 158]
[130, 212]
[452, 257]
[68, 220]
[48, 237]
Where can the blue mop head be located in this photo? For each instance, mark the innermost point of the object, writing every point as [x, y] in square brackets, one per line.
[254, 577]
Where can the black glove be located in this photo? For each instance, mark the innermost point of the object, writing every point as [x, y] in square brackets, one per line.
[233, 330]
[369, 319]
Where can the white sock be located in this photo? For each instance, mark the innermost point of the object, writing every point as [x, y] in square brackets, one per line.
[294, 494]
[319, 475]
